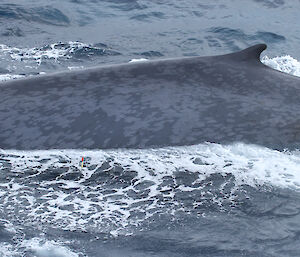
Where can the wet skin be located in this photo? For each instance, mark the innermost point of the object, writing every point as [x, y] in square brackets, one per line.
[222, 99]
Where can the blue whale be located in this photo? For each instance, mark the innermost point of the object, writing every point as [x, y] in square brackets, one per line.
[222, 99]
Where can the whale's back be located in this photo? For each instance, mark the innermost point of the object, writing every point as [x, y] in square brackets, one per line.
[183, 101]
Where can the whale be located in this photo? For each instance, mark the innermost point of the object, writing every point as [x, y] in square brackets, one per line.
[157, 103]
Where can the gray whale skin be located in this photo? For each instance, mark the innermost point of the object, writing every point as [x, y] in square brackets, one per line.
[222, 99]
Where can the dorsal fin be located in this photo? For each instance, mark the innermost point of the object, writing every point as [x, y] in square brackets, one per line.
[252, 52]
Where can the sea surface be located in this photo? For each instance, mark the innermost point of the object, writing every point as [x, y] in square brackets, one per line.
[201, 200]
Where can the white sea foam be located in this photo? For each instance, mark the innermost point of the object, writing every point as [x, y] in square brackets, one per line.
[138, 60]
[47, 248]
[285, 64]
[7, 250]
[75, 67]
[37, 247]
[117, 189]
[5, 77]
[53, 51]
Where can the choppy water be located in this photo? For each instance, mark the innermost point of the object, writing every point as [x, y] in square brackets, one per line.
[203, 200]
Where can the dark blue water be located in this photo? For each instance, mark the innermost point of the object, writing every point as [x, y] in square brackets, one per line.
[204, 200]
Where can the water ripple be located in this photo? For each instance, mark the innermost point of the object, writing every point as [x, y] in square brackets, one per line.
[42, 14]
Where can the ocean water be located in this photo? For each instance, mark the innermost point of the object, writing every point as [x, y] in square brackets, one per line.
[201, 200]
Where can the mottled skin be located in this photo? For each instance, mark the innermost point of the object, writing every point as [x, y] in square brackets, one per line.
[223, 99]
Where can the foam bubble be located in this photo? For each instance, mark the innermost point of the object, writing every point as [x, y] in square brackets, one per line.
[55, 51]
[52, 51]
[119, 189]
[7, 250]
[285, 64]
[8, 226]
[47, 248]
[138, 60]
[37, 247]
[75, 67]
[5, 77]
